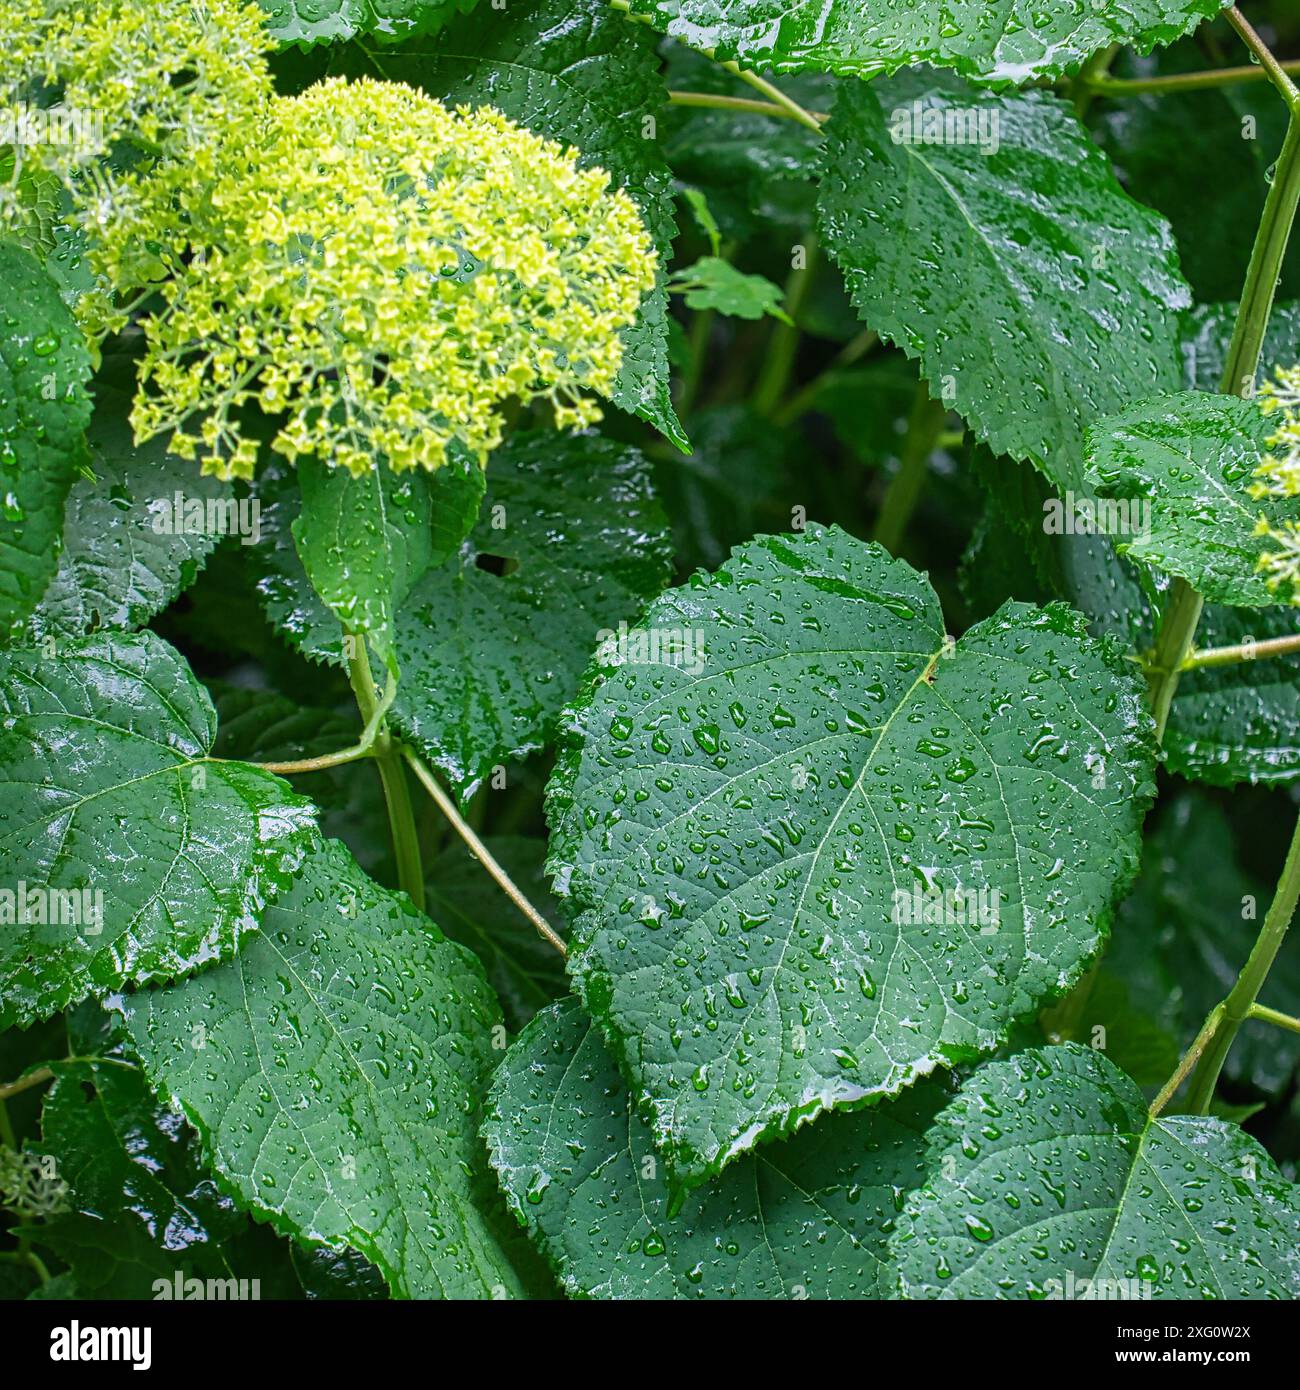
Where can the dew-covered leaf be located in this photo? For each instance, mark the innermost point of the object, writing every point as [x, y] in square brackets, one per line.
[1033, 313]
[44, 411]
[308, 22]
[142, 857]
[334, 1070]
[1180, 465]
[1045, 1172]
[136, 533]
[806, 1218]
[569, 542]
[1000, 41]
[754, 825]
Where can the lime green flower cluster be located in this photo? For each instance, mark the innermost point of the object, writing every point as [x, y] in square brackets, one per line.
[379, 274]
[141, 91]
[1278, 475]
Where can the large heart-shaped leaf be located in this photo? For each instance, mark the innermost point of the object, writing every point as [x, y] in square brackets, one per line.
[333, 1070]
[1183, 463]
[128, 853]
[1046, 1177]
[570, 541]
[577, 72]
[826, 851]
[1002, 41]
[807, 1218]
[1033, 314]
[44, 410]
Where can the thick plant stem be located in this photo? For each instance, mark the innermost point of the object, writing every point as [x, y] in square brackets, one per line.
[1190, 1058]
[1240, 1003]
[481, 852]
[24, 1083]
[749, 104]
[923, 429]
[1182, 610]
[1275, 1016]
[397, 795]
[1275, 71]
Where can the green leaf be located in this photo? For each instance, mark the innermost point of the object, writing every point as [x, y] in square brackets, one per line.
[1032, 315]
[44, 411]
[526, 971]
[136, 533]
[1183, 935]
[1009, 41]
[744, 836]
[333, 1070]
[308, 22]
[163, 856]
[1182, 464]
[712, 283]
[140, 1206]
[1045, 1171]
[807, 1218]
[492, 643]
[366, 541]
[577, 72]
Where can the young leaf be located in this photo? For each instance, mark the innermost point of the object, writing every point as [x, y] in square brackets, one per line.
[135, 534]
[139, 1204]
[1183, 935]
[490, 644]
[44, 411]
[1183, 464]
[333, 1070]
[1009, 42]
[131, 855]
[807, 1218]
[1033, 314]
[575, 71]
[712, 283]
[1046, 1171]
[526, 972]
[754, 840]
[366, 541]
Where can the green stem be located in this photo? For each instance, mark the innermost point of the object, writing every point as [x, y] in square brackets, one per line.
[1190, 1058]
[481, 852]
[784, 345]
[1183, 608]
[726, 103]
[33, 1078]
[1242, 651]
[760, 84]
[701, 331]
[923, 429]
[1240, 1003]
[363, 748]
[802, 401]
[1185, 81]
[397, 795]
[1274, 1016]
[1275, 71]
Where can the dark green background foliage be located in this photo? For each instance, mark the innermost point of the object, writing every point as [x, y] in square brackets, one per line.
[307, 1050]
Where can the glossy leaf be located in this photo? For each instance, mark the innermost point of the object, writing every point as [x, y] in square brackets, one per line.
[44, 410]
[136, 533]
[1183, 464]
[164, 855]
[807, 1218]
[309, 22]
[140, 1206]
[333, 1070]
[748, 835]
[1009, 41]
[1031, 316]
[577, 72]
[365, 542]
[569, 542]
[1046, 1172]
